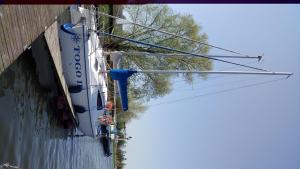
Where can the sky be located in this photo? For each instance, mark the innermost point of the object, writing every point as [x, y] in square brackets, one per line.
[251, 128]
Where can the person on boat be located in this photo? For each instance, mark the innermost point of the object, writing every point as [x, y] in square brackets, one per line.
[109, 105]
[105, 120]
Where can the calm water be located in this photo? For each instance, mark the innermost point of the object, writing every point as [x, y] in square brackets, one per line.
[30, 136]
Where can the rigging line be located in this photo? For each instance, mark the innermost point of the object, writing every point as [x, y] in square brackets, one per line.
[172, 34]
[217, 84]
[164, 55]
[217, 92]
[234, 67]
[179, 51]
[198, 86]
[210, 78]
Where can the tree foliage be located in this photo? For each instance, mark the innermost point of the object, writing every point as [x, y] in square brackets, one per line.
[147, 86]
[143, 87]
[136, 108]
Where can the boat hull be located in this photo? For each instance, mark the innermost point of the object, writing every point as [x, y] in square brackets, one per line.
[82, 67]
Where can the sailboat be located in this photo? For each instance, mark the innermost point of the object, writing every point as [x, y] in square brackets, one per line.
[83, 66]
[85, 71]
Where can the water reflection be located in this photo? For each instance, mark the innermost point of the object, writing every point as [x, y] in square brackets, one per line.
[31, 137]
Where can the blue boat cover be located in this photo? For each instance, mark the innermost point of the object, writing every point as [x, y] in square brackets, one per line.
[67, 27]
[121, 75]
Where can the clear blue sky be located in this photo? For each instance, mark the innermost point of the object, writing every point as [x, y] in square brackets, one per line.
[252, 128]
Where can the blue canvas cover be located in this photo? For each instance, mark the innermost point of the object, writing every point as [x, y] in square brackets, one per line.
[121, 75]
[67, 27]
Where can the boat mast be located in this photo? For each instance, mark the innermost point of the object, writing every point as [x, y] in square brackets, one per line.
[288, 74]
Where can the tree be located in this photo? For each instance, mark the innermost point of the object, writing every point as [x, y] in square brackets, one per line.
[136, 108]
[147, 86]
[143, 87]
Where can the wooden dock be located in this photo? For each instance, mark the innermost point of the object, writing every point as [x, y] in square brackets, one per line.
[21, 25]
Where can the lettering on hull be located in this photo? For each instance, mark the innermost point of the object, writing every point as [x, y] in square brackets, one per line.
[77, 59]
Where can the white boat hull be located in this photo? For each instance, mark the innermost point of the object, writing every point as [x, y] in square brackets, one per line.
[82, 65]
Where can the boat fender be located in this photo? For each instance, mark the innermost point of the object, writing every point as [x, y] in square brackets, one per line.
[79, 109]
[75, 89]
[76, 120]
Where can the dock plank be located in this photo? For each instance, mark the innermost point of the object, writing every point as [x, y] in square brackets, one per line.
[23, 27]
[13, 35]
[3, 48]
[6, 34]
[21, 21]
[15, 27]
[2, 55]
[35, 19]
[51, 36]
[28, 24]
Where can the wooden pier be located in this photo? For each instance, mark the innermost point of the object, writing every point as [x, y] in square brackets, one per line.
[21, 25]
[51, 36]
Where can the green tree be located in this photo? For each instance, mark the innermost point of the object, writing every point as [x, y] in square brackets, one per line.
[147, 86]
[136, 108]
[143, 87]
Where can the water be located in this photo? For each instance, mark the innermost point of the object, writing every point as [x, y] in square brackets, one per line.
[30, 135]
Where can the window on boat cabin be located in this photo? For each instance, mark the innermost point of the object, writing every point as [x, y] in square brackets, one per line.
[99, 101]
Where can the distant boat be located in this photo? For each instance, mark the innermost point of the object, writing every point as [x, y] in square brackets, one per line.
[83, 66]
